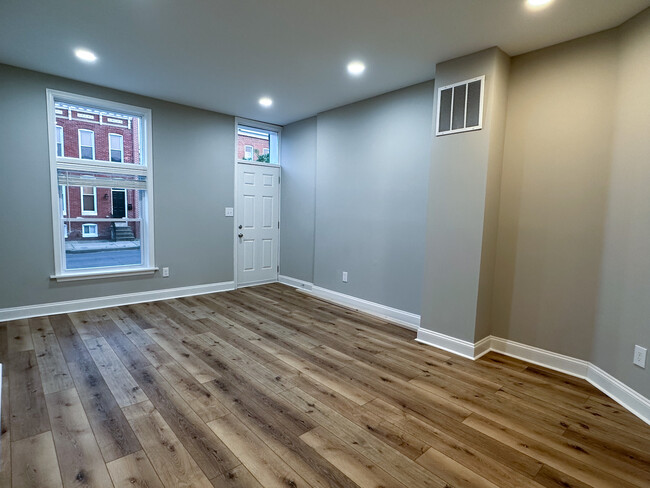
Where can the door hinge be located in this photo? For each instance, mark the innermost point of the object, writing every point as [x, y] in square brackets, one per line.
[278, 224]
[278, 180]
[278, 268]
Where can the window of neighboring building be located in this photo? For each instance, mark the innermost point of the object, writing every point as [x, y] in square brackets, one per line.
[59, 141]
[83, 201]
[88, 200]
[63, 197]
[89, 230]
[258, 142]
[116, 147]
[86, 144]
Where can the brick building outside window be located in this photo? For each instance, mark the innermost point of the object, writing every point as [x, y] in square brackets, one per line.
[84, 133]
[253, 145]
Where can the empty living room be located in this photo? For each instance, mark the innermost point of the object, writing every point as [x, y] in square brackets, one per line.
[325, 243]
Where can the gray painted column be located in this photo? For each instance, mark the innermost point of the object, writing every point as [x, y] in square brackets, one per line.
[463, 203]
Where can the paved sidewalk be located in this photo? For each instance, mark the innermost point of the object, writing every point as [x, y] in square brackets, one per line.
[96, 246]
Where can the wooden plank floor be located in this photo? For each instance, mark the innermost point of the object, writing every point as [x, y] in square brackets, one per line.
[269, 387]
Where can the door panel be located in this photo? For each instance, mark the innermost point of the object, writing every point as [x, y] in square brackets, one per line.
[267, 249]
[249, 254]
[249, 211]
[258, 214]
[267, 212]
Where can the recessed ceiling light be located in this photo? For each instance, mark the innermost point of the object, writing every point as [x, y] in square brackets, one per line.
[538, 4]
[355, 68]
[85, 55]
[265, 102]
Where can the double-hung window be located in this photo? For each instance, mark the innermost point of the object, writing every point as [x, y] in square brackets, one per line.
[116, 147]
[88, 200]
[86, 144]
[83, 206]
[59, 141]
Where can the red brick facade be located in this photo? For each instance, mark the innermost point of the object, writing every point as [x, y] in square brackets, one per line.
[71, 121]
[104, 208]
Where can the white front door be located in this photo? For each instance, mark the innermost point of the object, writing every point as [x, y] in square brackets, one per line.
[258, 218]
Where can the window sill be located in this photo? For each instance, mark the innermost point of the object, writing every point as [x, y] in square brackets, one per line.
[114, 273]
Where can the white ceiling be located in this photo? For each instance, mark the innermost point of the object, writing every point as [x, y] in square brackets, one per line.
[223, 55]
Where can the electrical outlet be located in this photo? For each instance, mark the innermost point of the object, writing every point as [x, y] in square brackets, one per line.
[165, 272]
[639, 356]
[345, 277]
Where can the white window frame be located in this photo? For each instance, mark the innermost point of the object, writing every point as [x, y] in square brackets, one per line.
[110, 157]
[62, 141]
[251, 152]
[83, 210]
[451, 113]
[89, 234]
[144, 169]
[92, 147]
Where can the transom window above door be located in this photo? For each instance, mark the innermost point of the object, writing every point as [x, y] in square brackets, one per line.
[258, 143]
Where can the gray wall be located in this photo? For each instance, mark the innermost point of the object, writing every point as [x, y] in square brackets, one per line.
[554, 191]
[573, 258]
[298, 200]
[460, 194]
[371, 189]
[623, 313]
[193, 182]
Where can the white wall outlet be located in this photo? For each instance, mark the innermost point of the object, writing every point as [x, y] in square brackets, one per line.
[165, 272]
[639, 356]
[345, 277]
[230, 212]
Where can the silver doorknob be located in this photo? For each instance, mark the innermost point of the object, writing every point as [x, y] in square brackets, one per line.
[241, 235]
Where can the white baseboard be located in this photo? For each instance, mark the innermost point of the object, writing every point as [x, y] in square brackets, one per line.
[619, 391]
[296, 283]
[111, 301]
[399, 317]
[623, 394]
[404, 319]
[446, 342]
[541, 357]
[482, 347]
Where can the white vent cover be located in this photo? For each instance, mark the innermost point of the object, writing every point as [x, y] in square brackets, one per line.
[460, 106]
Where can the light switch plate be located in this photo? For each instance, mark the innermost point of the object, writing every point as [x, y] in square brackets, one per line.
[230, 212]
[639, 356]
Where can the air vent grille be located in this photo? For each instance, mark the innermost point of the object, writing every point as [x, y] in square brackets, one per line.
[460, 107]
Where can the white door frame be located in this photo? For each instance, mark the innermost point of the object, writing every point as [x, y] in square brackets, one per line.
[259, 125]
